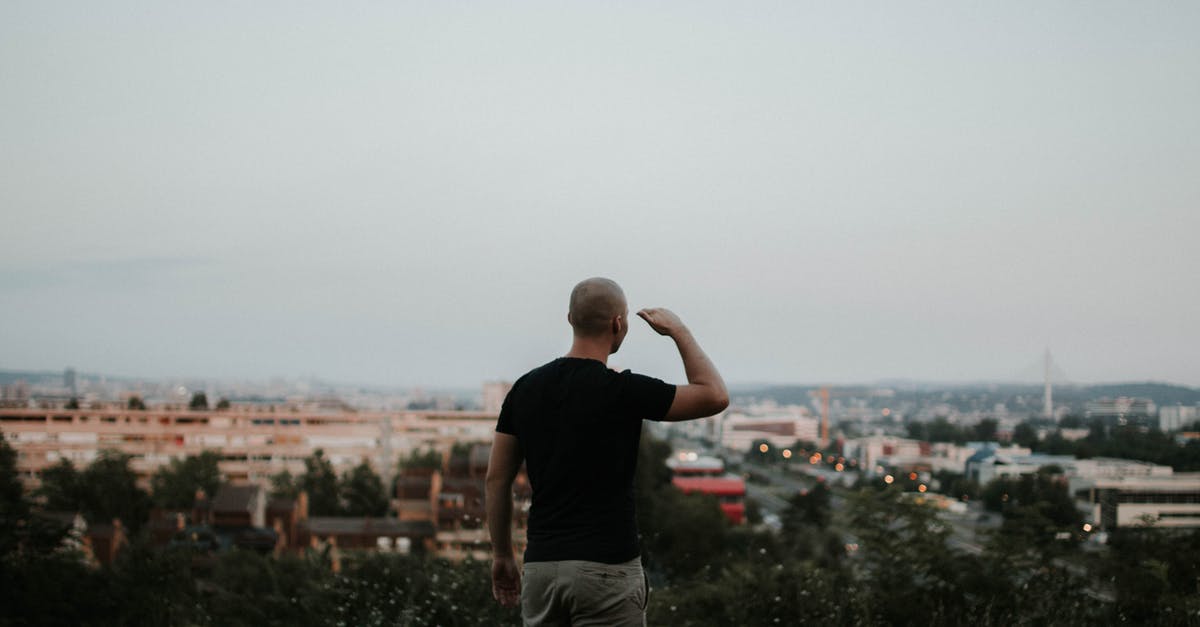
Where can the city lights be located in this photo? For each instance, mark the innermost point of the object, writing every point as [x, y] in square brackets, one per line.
[298, 324]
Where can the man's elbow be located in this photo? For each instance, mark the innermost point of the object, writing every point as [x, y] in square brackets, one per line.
[720, 402]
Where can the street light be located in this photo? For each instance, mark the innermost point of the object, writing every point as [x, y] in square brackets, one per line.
[763, 448]
[787, 453]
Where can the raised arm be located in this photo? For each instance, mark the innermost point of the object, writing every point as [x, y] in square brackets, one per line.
[502, 469]
[705, 393]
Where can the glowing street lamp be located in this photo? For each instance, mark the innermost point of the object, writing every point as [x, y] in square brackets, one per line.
[787, 453]
[889, 479]
[763, 448]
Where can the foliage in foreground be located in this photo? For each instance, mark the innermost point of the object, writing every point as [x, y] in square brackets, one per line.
[880, 559]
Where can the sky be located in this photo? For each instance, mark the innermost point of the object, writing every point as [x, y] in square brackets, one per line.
[405, 193]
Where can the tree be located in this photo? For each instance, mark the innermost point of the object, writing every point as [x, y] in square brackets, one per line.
[1025, 435]
[680, 533]
[1070, 422]
[105, 490]
[363, 493]
[199, 401]
[13, 508]
[109, 490]
[60, 489]
[72, 404]
[985, 430]
[175, 485]
[426, 458]
[284, 485]
[939, 430]
[1154, 573]
[684, 533]
[11, 491]
[1036, 508]
[807, 509]
[22, 537]
[223, 404]
[761, 452]
[955, 485]
[321, 483]
[135, 403]
[914, 578]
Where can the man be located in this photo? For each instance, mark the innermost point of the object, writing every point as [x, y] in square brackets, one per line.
[576, 424]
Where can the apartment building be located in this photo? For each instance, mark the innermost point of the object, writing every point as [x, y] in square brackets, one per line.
[254, 443]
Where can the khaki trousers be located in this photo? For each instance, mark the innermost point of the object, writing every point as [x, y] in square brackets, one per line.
[580, 593]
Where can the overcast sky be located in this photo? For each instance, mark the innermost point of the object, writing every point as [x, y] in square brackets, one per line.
[406, 193]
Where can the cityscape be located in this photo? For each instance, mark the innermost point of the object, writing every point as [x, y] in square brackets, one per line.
[674, 313]
[1057, 482]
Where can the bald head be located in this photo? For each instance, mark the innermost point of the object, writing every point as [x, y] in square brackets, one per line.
[594, 303]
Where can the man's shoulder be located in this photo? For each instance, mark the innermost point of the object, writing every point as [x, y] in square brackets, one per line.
[536, 373]
[534, 377]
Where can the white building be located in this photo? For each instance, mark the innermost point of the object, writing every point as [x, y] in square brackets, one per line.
[954, 457]
[868, 452]
[1177, 417]
[1121, 410]
[781, 426]
[989, 464]
[494, 393]
[1161, 501]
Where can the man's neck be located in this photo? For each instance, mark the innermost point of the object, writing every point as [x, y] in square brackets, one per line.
[586, 348]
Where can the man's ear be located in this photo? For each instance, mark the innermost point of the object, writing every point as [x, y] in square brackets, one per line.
[616, 325]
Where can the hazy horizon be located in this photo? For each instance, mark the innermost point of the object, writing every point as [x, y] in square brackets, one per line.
[405, 194]
[734, 385]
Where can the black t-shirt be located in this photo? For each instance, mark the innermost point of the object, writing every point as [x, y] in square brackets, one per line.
[579, 423]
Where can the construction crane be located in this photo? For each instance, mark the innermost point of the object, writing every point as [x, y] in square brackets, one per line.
[825, 393]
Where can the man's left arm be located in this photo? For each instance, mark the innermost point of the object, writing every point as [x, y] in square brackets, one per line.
[502, 469]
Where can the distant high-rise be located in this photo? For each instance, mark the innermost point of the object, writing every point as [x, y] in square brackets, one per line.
[69, 380]
[1048, 398]
[493, 395]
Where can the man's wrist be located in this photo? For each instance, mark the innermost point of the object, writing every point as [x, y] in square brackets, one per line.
[682, 335]
[504, 555]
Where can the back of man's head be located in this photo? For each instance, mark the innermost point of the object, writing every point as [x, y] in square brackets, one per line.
[594, 303]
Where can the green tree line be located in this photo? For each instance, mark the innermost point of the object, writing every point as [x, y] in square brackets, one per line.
[872, 555]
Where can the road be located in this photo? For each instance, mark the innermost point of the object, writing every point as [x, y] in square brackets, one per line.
[785, 481]
[964, 528]
[967, 529]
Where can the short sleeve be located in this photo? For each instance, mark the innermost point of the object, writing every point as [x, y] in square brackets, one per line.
[507, 422]
[644, 398]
